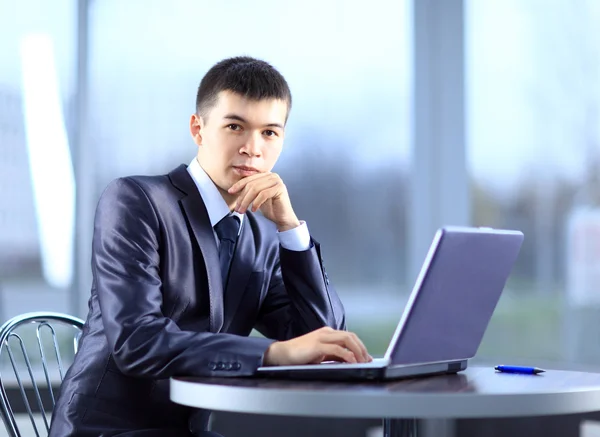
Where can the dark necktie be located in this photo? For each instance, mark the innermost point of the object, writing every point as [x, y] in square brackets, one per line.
[227, 231]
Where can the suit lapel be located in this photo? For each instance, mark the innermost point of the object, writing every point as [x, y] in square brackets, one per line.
[239, 273]
[197, 216]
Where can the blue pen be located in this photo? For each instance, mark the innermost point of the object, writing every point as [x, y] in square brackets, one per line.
[519, 369]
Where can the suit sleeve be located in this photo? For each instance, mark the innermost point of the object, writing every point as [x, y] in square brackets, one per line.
[126, 273]
[300, 297]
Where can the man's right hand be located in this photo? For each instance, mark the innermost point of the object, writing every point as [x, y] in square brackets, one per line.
[324, 344]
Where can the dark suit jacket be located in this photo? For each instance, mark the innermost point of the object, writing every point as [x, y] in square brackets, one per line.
[157, 307]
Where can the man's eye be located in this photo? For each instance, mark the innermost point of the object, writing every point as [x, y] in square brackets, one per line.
[234, 127]
[270, 133]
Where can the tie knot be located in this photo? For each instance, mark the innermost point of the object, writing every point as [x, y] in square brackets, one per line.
[228, 228]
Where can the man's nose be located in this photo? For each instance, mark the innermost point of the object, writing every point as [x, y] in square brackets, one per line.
[252, 146]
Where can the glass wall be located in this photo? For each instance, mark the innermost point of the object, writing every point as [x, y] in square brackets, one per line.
[533, 93]
[533, 140]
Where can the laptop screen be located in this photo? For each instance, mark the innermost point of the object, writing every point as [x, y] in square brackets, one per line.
[455, 295]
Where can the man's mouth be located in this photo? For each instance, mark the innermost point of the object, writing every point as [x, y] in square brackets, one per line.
[244, 170]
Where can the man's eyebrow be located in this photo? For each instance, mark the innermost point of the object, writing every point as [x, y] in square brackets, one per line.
[241, 119]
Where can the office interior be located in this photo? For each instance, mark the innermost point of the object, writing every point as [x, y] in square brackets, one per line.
[407, 116]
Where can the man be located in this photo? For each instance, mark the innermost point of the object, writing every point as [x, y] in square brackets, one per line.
[183, 270]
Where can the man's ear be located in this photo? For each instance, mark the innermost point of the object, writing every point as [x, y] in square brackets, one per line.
[196, 126]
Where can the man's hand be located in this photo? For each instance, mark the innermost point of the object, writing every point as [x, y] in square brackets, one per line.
[267, 192]
[324, 344]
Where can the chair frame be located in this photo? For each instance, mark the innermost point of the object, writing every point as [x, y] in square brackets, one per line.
[7, 331]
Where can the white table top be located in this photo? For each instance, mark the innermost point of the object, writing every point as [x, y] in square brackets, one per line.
[475, 393]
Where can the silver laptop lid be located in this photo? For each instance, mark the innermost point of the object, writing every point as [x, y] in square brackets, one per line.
[454, 296]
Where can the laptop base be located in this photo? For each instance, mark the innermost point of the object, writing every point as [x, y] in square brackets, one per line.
[356, 372]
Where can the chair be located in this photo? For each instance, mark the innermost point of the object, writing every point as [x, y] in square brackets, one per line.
[44, 332]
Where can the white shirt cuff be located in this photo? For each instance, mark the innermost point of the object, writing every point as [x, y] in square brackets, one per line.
[297, 239]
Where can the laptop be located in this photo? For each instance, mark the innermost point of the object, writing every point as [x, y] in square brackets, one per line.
[447, 312]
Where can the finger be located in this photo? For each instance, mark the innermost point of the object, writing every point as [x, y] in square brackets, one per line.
[356, 346]
[250, 192]
[244, 181]
[365, 353]
[263, 196]
[336, 353]
[345, 339]
[258, 184]
[239, 185]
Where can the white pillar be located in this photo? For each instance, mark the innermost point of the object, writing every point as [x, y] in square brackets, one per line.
[440, 181]
[84, 172]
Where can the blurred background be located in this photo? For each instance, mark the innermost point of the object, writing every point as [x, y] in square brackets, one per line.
[407, 115]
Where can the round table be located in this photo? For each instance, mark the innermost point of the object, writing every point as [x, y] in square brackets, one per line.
[477, 392]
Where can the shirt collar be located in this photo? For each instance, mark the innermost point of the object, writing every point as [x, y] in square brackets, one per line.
[213, 201]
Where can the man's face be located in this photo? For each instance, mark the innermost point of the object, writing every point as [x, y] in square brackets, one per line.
[239, 137]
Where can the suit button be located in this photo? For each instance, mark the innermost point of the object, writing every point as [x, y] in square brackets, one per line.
[220, 366]
[212, 366]
[236, 366]
[228, 366]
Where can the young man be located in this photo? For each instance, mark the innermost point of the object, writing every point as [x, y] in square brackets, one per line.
[183, 270]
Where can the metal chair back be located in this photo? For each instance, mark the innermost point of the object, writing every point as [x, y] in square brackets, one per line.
[35, 345]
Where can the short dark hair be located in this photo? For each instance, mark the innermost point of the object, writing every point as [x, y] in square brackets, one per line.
[249, 77]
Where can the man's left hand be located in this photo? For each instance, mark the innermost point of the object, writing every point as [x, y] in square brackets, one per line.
[267, 192]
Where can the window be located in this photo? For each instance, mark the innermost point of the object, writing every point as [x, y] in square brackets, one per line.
[22, 279]
[534, 141]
